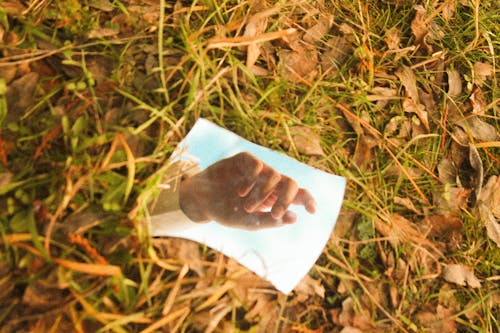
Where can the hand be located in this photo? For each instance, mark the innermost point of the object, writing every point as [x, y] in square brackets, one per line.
[238, 190]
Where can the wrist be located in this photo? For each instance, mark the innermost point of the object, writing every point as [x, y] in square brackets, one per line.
[190, 201]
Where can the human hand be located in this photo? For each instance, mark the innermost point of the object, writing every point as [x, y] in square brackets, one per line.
[239, 191]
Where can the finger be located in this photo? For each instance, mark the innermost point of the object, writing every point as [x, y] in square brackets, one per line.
[264, 186]
[248, 167]
[259, 221]
[305, 199]
[268, 203]
[287, 190]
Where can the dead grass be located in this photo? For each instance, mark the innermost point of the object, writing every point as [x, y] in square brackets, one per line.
[402, 98]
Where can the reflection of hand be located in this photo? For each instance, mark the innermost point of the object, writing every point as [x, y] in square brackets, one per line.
[239, 191]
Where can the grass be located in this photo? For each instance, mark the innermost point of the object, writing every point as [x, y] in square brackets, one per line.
[83, 144]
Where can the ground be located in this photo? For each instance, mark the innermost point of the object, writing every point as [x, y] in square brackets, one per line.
[400, 97]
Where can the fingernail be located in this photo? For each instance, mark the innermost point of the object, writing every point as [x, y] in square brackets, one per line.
[289, 217]
[311, 206]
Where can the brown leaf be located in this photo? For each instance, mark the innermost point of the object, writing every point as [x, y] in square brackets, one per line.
[104, 5]
[256, 25]
[306, 140]
[420, 28]
[454, 83]
[337, 50]
[451, 199]
[350, 329]
[443, 225]
[478, 102]
[393, 38]
[482, 71]
[8, 73]
[5, 178]
[102, 33]
[20, 95]
[448, 9]
[489, 208]
[461, 275]
[364, 151]
[411, 106]
[318, 31]
[447, 172]
[309, 287]
[13, 8]
[477, 165]
[439, 322]
[479, 129]
[406, 202]
[298, 64]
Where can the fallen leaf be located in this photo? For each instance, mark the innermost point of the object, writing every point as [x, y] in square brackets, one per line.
[406, 202]
[447, 172]
[255, 26]
[20, 95]
[477, 165]
[337, 50]
[454, 83]
[420, 28]
[5, 178]
[102, 33]
[299, 64]
[13, 8]
[448, 9]
[451, 199]
[461, 275]
[104, 5]
[411, 106]
[318, 31]
[346, 29]
[8, 73]
[443, 225]
[479, 129]
[356, 318]
[306, 141]
[439, 322]
[309, 287]
[363, 155]
[393, 38]
[488, 204]
[482, 71]
[350, 329]
[478, 101]
[382, 95]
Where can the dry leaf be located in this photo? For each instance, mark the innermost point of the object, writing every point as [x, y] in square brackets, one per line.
[411, 106]
[363, 155]
[309, 287]
[406, 202]
[420, 28]
[461, 275]
[20, 95]
[447, 172]
[451, 199]
[488, 203]
[102, 33]
[443, 225]
[477, 165]
[480, 130]
[478, 101]
[482, 71]
[454, 83]
[5, 178]
[318, 31]
[448, 9]
[8, 73]
[306, 140]
[440, 322]
[298, 64]
[337, 50]
[104, 5]
[393, 38]
[256, 25]
[351, 317]
[350, 329]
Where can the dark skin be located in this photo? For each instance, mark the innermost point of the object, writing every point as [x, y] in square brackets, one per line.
[239, 191]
